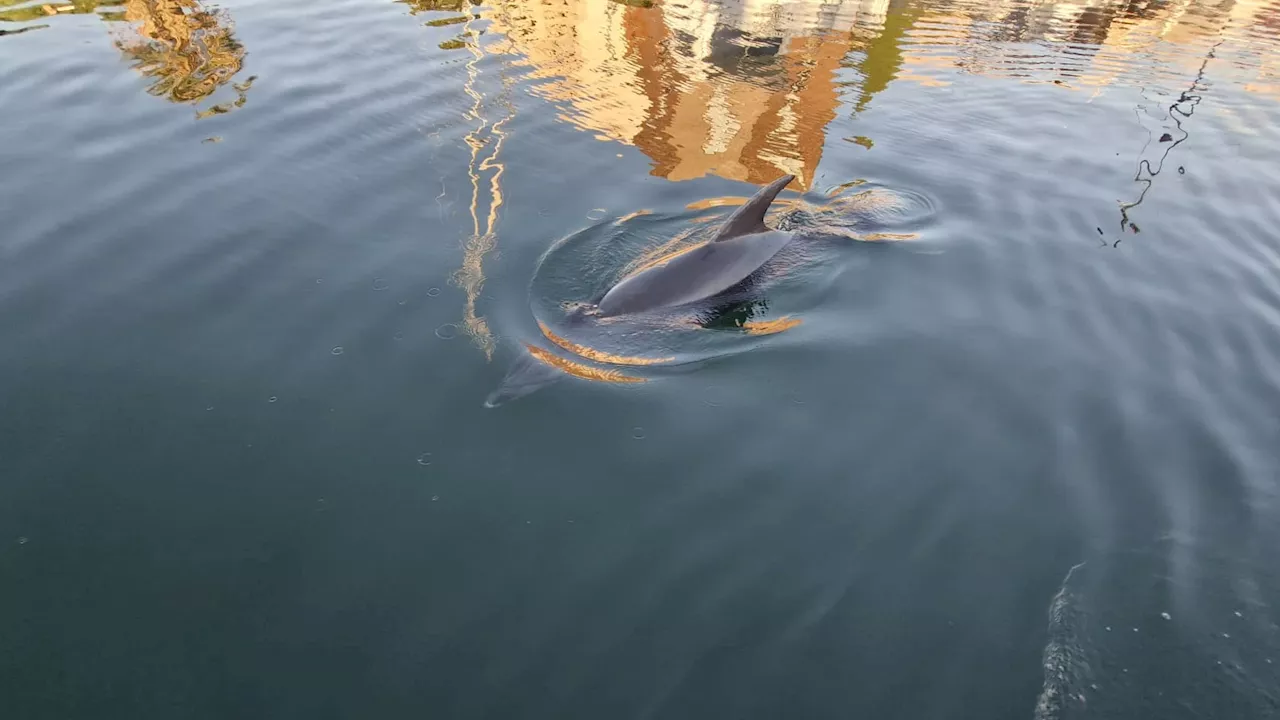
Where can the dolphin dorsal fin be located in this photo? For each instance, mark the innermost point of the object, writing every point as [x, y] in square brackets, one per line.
[749, 218]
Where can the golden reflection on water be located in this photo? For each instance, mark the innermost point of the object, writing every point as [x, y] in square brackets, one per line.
[598, 355]
[745, 89]
[632, 216]
[188, 50]
[1091, 46]
[486, 198]
[889, 237]
[648, 76]
[586, 372]
[26, 11]
[419, 6]
[715, 202]
[771, 327]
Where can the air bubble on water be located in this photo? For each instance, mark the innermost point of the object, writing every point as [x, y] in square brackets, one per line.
[435, 498]
[1238, 614]
[398, 336]
[713, 396]
[637, 433]
[380, 284]
[1108, 628]
[424, 459]
[597, 214]
[337, 350]
[1166, 616]
[319, 280]
[403, 302]
[209, 408]
[273, 398]
[433, 292]
[447, 331]
[23, 541]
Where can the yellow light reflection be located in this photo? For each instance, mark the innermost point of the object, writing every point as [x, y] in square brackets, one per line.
[598, 355]
[586, 372]
[632, 216]
[771, 327]
[889, 237]
[470, 276]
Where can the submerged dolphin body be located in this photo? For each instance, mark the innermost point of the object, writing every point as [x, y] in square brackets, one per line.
[739, 248]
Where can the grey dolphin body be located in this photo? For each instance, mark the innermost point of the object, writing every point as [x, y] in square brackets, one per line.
[739, 248]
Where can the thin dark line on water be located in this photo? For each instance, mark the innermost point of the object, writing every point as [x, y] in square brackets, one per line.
[19, 31]
[1191, 99]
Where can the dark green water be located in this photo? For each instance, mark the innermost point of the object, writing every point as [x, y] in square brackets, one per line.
[1007, 445]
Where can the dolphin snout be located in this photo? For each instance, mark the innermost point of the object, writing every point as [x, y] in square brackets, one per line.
[527, 375]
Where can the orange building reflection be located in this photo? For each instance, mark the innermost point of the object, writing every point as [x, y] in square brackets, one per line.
[744, 89]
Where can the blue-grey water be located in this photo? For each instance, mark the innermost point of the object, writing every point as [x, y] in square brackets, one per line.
[1003, 442]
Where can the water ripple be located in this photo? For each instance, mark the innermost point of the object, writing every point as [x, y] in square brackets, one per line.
[1028, 332]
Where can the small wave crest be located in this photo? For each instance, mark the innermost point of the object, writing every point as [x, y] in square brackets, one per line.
[1170, 631]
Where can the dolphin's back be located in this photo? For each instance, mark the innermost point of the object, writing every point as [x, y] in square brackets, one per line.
[705, 271]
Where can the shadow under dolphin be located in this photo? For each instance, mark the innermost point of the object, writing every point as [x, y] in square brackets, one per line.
[719, 269]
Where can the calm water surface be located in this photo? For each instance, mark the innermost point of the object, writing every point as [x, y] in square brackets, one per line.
[1004, 444]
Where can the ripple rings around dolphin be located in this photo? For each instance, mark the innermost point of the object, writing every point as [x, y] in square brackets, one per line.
[578, 268]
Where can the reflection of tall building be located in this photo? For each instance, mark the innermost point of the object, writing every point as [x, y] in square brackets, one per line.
[743, 89]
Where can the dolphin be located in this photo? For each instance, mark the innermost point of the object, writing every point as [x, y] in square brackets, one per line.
[740, 247]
